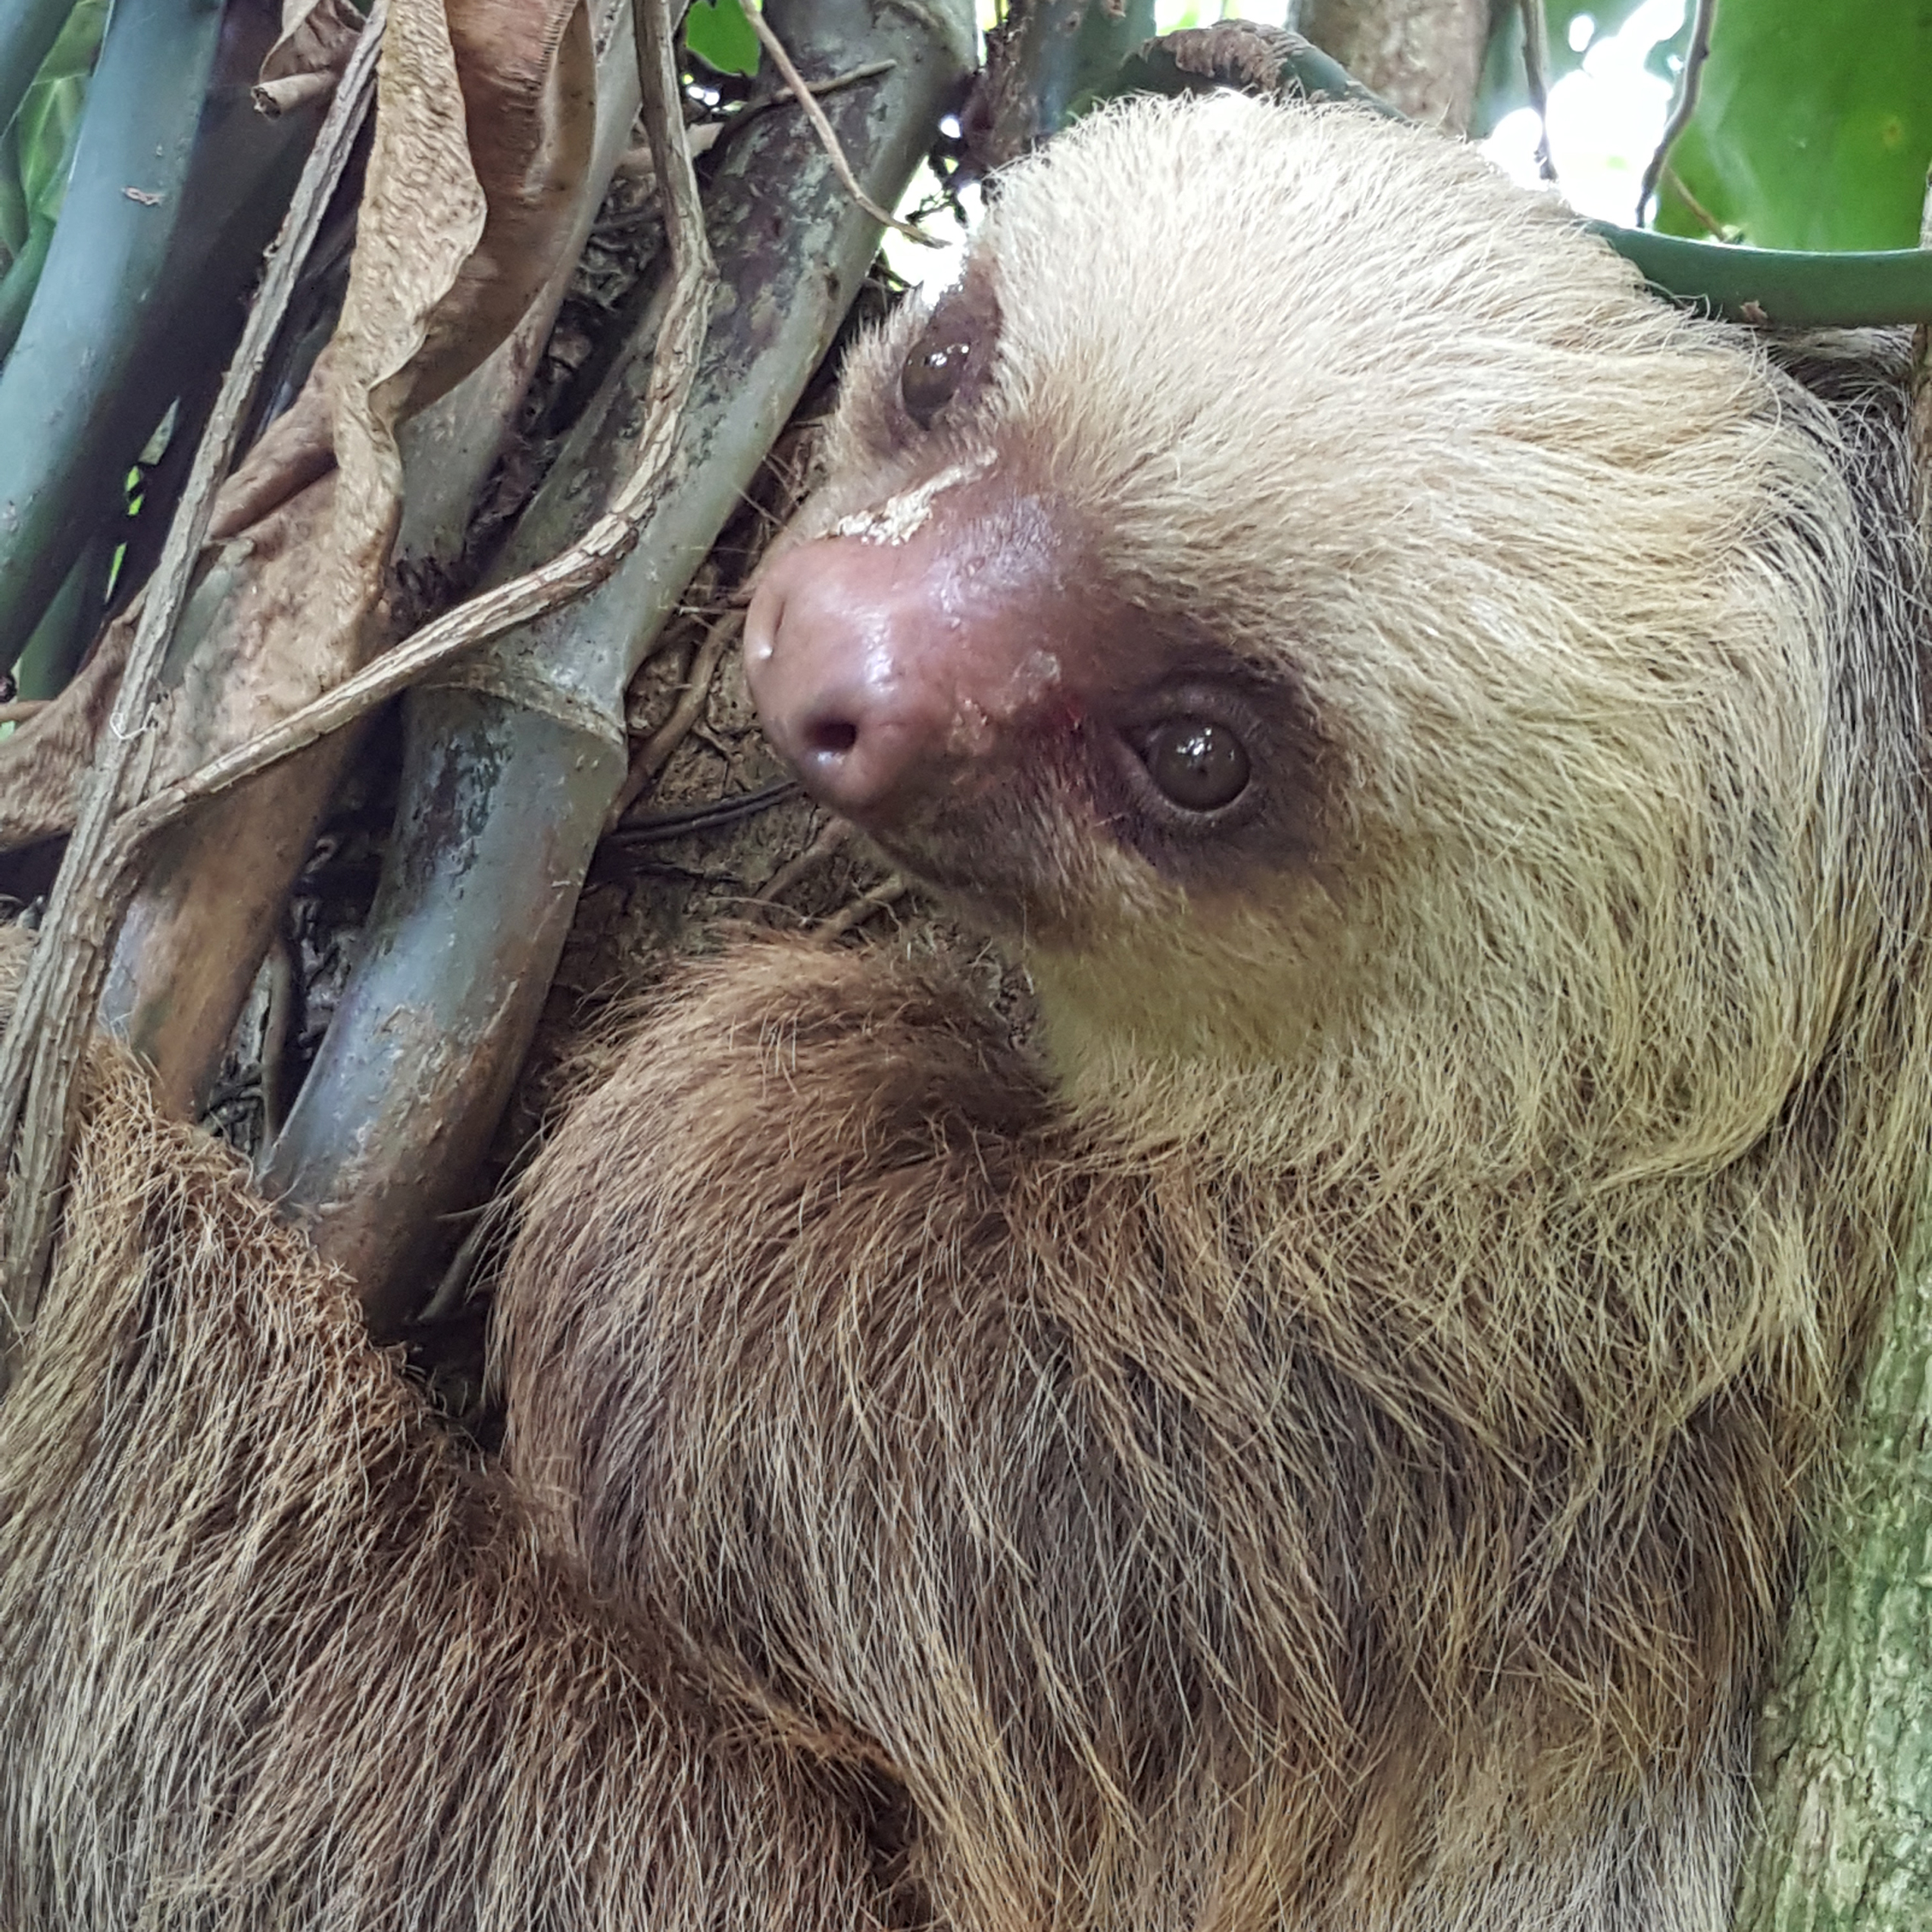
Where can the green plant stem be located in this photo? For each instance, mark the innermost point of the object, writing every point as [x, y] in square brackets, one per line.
[1788, 287]
[1783, 288]
[22, 278]
[514, 754]
[66, 420]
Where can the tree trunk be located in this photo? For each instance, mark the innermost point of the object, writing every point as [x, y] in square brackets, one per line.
[1424, 57]
[1845, 1740]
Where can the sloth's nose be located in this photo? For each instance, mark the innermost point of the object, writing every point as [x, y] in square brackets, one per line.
[840, 663]
[881, 669]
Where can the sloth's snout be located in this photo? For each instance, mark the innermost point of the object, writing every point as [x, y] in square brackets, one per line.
[881, 670]
[840, 658]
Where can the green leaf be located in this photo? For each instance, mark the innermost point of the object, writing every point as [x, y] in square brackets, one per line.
[1813, 127]
[29, 30]
[72, 55]
[13, 217]
[38, 152]
[717, 33]
[49, 116]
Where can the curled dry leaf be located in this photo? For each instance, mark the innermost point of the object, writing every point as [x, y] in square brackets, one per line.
[305, 64]
[253, 595]
[250, 650]
[478, 154]
[299, 446]
[44, 762]
[529, 78]
[293, 601]
[526, 80]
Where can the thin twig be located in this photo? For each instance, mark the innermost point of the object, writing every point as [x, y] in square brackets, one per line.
[488, 1224]
[20, 709]
[701, 600]
[1536, 68]
[813, 113]
[848, 918]
[1712, 226]
[655, 752]
[1684, 107]
[776, 97]
[122, 842]
[837, 832]
[40, 1055]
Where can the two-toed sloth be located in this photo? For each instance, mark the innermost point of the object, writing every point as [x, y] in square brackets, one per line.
[1320, 1446]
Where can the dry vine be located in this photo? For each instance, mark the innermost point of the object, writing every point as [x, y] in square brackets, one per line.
[38, 1059]
[651, 757]
[804, 94]
[40, 1055]
[1536, 72]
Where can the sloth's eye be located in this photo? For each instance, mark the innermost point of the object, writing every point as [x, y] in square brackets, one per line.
[1195, 764]
[932, 371]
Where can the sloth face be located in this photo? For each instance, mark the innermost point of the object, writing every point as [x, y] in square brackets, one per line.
[1295, 564]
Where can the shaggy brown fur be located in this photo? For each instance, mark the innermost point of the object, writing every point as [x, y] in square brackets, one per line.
[272, 1653]
[1322, 1451]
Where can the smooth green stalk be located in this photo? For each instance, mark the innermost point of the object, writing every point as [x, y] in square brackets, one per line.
[70, 423]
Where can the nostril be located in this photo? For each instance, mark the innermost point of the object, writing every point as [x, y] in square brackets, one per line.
[832, 737]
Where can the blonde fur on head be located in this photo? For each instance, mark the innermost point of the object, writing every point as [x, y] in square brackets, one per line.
[1322, 1448]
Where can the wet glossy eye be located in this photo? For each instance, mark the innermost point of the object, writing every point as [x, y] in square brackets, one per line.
[1195, 764]
[932, 371]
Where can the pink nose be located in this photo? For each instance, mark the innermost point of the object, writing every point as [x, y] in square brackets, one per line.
[877, 670]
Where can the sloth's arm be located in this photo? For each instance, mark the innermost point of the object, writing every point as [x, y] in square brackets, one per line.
[805, 1358]
[271, 1652]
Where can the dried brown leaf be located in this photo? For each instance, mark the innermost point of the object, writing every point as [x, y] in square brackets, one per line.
[485, 122]
[526, 95]
[529, 88]
[44, 762]
[296, 596]
[317, 37]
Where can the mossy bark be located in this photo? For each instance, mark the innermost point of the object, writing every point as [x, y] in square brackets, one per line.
[1845, 1740]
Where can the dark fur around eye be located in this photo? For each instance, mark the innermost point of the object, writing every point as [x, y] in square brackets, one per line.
[1214, 774]
[947, 365]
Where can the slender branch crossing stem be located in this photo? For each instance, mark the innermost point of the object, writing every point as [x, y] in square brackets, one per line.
[803, 93]
[39, 1057]
[1681, 108]
[1535, 68]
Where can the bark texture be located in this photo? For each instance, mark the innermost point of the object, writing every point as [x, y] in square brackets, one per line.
[1845, 1740]
[1424, 56]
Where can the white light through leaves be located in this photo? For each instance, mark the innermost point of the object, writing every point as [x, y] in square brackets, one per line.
[1604, 119]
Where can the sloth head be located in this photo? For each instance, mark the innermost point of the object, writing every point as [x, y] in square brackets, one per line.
[1300, 591]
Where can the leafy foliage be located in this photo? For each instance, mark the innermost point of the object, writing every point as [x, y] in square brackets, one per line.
[1505, 86]
[36, 153]
[718, 33]
[1813, 127]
